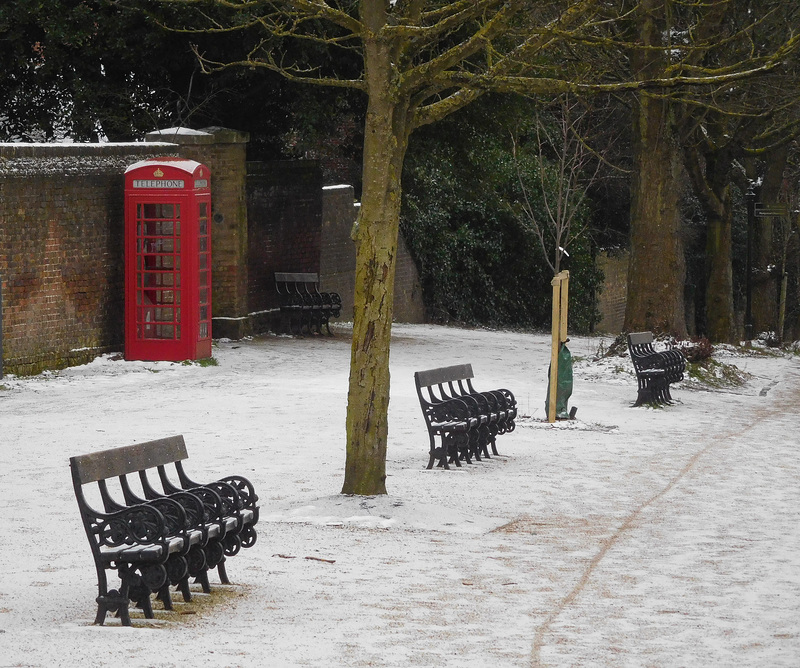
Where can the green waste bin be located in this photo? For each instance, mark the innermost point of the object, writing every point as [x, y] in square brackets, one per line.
[563, 385]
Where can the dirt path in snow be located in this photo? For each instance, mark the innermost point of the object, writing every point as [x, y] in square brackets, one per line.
[735, 476]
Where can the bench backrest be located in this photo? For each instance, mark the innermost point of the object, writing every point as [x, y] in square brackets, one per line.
[640, 338]
[127, 459]
[443, 375]
[284, 277]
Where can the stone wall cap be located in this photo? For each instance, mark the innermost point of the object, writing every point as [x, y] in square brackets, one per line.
[226, 135]
[209, 135]
[180, 136]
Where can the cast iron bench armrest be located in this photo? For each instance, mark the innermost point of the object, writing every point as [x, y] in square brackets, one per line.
[134, 525]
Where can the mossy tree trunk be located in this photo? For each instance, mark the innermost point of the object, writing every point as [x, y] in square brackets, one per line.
[656, 271]
[387, 130]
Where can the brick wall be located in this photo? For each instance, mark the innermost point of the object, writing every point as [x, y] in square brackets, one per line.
[284, 213]
[613, 298]
[338, 259]
[61, 251]
[62, 245]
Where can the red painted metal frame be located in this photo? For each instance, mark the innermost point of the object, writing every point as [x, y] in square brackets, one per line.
[167, 260]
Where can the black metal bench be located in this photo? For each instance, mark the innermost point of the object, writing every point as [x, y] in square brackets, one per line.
[465, 420]
[157, 537]
[303, 304]
[655, 370]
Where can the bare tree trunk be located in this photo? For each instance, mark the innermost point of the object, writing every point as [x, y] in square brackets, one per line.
[656, 271]
[709, 163]
[375, 234]
[719, 286]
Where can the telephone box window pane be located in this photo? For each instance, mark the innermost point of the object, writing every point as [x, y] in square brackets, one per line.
[202, 226]
[204, 313]
[203, 278]
[156, 245]
[203, 330]
[203, 209]
[177, 315]
[204, 295]
[203, 260]
[165, 331]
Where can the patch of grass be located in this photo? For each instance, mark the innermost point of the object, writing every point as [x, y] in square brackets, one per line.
[208, 361]
[716, 375]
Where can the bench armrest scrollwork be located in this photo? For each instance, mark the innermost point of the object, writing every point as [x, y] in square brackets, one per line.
[136, 525]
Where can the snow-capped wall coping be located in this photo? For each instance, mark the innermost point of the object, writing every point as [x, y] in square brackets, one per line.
[21, 159]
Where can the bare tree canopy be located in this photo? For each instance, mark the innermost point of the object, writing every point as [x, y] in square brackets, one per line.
[418, 61]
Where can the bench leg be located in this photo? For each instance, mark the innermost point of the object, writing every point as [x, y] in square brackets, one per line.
[183, 588]
[165, 597]
[202, 579]
[222, 572]
[115, 602]
[439, 453]
[197, 567]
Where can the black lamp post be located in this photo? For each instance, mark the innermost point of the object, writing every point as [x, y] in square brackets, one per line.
[750, 201]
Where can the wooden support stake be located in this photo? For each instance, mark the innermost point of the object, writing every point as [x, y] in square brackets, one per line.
[560, 285]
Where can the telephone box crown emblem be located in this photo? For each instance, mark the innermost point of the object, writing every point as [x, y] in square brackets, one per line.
[158, 173]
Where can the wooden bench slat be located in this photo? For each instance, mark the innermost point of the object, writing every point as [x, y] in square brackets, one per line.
[443, 375]
[128, 459]
[296, 277]
[638, 338]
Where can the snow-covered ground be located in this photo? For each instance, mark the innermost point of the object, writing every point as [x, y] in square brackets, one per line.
[628, 537]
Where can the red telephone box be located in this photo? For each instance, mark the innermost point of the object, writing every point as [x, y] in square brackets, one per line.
[167, 260]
